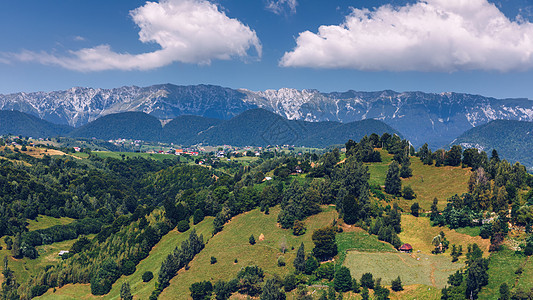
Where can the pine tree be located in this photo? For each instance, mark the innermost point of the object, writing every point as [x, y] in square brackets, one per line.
[505, 294]
[343, 280]
[405, 171]
[125, 292]
[251, 240]
[9, 285]
[272, 290]
[434, 210]
[393, 184]
[299, 261]
[397, 285]
[351, 209]
[15, 249]
[415, 208]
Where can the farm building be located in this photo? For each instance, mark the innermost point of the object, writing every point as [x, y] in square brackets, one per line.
[406, 248]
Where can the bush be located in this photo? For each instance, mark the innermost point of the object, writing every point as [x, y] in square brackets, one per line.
[415, 208]
[290, 282]
[147, 276]
[213, 260]
[343, 280]
[325, 271]
[251, 240]
[128, 267]
[408, 193]
[183, 225]
[281, 261]
[298, 228]
[201, 290]
[367, 281]
[397, 285]
[198, 216]
[38, 290]
[311, 264]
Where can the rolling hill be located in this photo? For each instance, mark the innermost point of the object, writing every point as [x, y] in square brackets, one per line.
[19, 123]
[129, 125]
[255, 127]
[512, 139]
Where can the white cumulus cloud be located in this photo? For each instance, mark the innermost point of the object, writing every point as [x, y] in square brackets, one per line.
[430, 35]
[281, 6]
[188, 31]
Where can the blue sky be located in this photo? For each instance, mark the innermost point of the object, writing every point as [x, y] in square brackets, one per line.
[473, 46]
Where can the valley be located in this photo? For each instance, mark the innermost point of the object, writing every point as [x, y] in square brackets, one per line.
[238, 202]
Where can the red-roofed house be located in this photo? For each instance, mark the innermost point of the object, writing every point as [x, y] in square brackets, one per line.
[406, 248]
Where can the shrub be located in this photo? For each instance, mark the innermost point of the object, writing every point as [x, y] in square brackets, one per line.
[311, 264]
[408, 193]
[38, 290]
[397, 285]
[367, 281]
[198, 216]
[201, 290]
[343, 280]
[128, 267]
[213, 260]
[415, 208]
[298, 228]
[281, 261]
[183, 225]
[325, 271]
[251, 240]
[290, 282]
[147, 276]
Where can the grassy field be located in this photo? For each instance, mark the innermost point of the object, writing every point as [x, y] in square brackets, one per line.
[419, 233]
[48, 255]
[428, 182]
[430, 270]
[43, 222]
[118, 155]
[152, 263]
[359, 240]
[232, 243]
[471, 231]
[378, 171]
[502, 267]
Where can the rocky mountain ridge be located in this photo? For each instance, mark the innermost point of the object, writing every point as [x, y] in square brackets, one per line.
[420, 117]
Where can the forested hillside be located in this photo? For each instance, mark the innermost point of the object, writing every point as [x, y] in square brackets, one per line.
[513, 139]
[18, 123]
[237, 232]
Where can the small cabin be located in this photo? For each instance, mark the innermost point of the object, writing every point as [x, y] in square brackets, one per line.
[407, 248]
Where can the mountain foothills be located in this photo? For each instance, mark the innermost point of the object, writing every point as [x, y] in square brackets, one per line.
[513, 139]
[433, 118]
[377, 219]
[255, 127]
[15, 122]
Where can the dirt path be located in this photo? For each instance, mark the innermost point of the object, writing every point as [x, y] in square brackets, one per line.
[432, 276]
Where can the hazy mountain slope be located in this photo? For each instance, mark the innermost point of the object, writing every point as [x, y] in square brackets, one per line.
[129, 125]
[185, 129]
[344, 132]
[421, 117]
[512, 139]
[18, 123]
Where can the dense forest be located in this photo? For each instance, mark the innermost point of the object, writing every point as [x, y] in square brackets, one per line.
[129, 204]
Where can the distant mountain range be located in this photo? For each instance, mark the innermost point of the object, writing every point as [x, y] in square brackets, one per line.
[255, 127]
[512, 139]
[421, 117]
